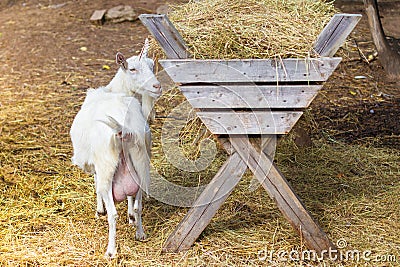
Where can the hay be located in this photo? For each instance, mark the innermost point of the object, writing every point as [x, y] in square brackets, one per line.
[48, 207]
[250, 28]
[47, 214]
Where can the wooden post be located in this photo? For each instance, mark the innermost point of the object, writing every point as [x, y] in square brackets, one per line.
[335, 33]
[389, 58]
[166, 35]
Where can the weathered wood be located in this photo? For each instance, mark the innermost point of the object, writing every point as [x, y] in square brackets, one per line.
[166, 35]
[388, 56]
[267, 143]
[250, 96]
[279, 189]
[205, 207]
[255, 122]
[249, 70]
[335, 33]
[97, 17]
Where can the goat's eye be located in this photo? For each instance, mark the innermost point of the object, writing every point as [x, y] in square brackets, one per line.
[132, 70]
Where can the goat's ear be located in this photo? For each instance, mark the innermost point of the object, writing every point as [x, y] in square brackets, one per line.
[121, 61]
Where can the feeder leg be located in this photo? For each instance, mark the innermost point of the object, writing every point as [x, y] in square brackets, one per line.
[205, 207]
[279, 189]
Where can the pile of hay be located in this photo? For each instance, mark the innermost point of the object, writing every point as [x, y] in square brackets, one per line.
[251, 28]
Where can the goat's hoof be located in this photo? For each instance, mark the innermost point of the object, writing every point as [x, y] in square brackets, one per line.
[131, 219]
[100, 214]
[110, 255]
[140, 236]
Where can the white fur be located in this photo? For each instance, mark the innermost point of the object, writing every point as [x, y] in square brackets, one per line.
[107, 114]
[137, 78]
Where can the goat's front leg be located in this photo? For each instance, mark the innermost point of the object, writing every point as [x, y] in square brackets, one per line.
[106, 194]
[131, 214]
[137, 212]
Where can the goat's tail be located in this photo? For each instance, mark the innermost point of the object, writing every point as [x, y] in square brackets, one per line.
[115, 126]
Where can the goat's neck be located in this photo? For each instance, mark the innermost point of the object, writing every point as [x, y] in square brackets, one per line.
[147, 107]
[121, 84]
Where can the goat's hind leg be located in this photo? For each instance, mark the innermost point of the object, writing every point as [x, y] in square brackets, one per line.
[137, 212]
[112, 224]
[104, 190]
[100, 211]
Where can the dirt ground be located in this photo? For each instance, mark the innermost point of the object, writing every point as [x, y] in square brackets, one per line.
[41, 40]
[49, 49]
[357, 110]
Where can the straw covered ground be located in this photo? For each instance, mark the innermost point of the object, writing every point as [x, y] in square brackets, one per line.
[50, 55]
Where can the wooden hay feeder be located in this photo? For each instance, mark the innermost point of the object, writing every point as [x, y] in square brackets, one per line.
[240, 100]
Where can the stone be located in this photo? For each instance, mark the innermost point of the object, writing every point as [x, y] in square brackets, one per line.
[163, 9]
[121, 13]
[98, 16]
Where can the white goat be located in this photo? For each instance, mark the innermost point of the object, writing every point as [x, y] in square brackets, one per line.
[111, 139]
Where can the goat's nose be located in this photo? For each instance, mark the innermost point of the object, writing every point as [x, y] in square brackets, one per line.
[157, 85]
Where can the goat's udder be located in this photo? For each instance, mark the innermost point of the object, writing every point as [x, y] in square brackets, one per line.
[124, 181]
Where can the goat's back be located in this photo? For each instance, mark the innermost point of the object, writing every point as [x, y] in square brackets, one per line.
[93, 140]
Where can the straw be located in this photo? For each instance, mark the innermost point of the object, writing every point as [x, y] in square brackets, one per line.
[251, 29]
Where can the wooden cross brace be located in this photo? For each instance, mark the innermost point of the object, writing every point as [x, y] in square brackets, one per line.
[242, 152]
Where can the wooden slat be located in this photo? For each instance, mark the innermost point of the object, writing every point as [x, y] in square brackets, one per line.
[279, 189]
[249, 70]
[255, 122]
[267, 144]
[166, 35]
[250, 96]
[335, 33]
[205, 207]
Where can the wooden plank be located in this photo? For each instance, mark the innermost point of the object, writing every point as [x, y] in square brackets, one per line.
[268, 145]
[249, 70]
[335, 33]
[205, 207]
[166, 35]
[250, 96]
[253, 122]
[286, 199]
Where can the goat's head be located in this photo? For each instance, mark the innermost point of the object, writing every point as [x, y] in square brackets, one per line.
[139, 73]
